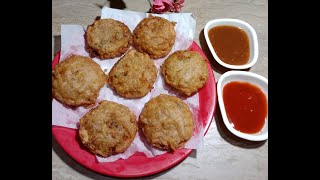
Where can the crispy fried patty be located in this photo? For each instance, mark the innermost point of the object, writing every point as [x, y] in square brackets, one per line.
[108, 38]
[133, 76]
[166, 122]
[186, 71]
[77, 81]
[108, 129]
[154, 36]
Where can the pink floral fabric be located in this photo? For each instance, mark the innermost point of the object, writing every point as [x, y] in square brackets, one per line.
[162, 6]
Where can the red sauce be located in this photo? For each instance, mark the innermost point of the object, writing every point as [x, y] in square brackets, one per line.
[231, 44]
[246, 106]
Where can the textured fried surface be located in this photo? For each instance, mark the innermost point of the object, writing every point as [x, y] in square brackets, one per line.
[108, 38]
[133, 76]
[108, 129]
[77, 81]
[166, 122]
[186, 71]
[154, 36]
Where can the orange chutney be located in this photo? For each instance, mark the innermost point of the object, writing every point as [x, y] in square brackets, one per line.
[246, 106]
[231, 44]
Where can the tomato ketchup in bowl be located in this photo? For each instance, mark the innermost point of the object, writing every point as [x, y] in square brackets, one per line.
[243, 101]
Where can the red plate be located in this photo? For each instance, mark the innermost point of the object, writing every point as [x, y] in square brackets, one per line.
[137, 165]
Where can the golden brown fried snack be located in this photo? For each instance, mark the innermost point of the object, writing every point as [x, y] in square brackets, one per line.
[154, 36]
[108, 129]
[166, 122]
[133, 76]
[77, 81]
[108, 38]
[186, 71]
